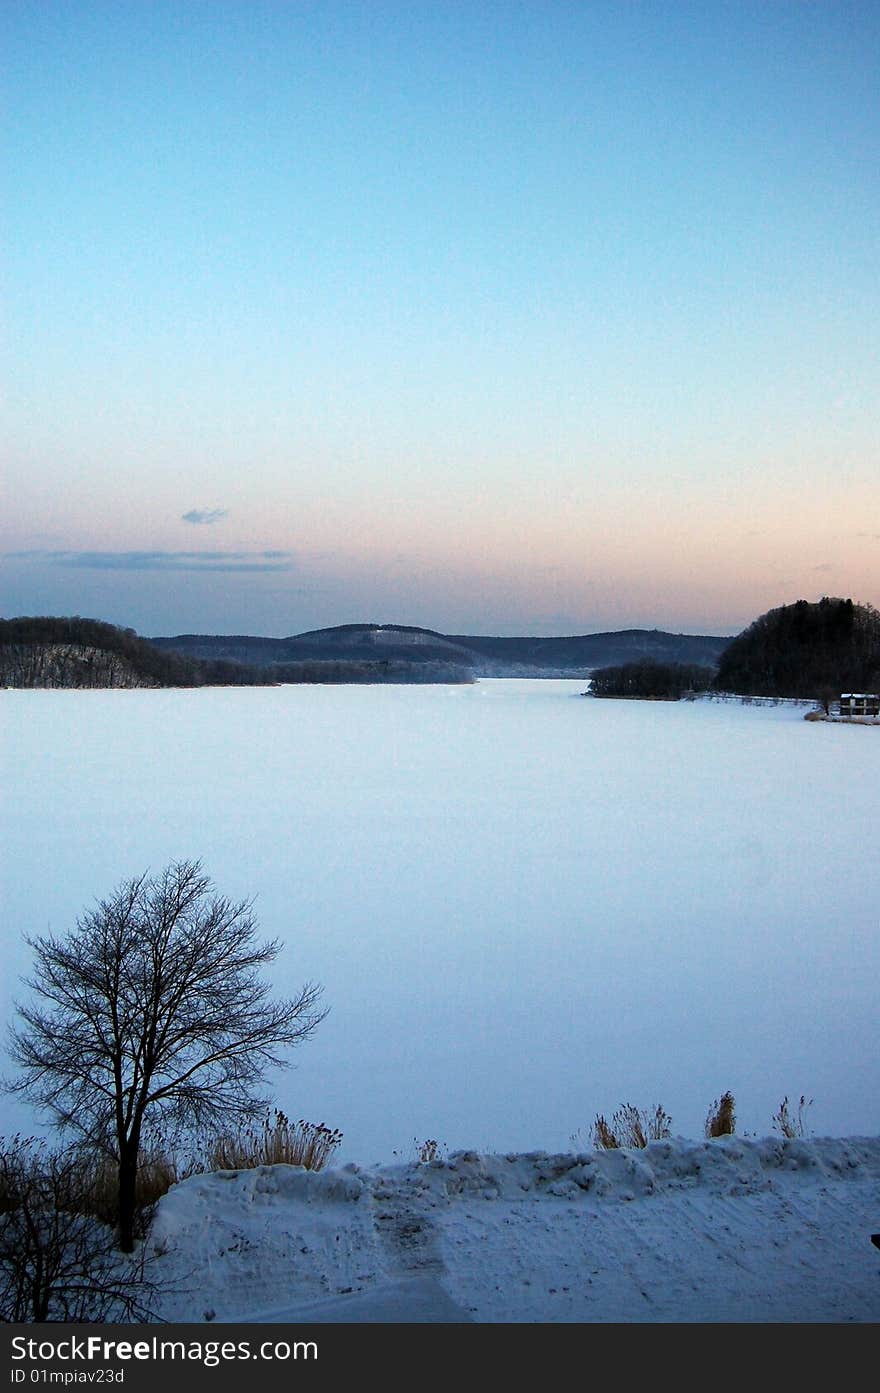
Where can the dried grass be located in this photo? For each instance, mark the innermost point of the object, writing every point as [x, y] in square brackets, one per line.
[429, 1151]
[277, 1142]
[721, 1118]
[99, 1185]
[631, 1127]
[603, 1137]
[792, 1125]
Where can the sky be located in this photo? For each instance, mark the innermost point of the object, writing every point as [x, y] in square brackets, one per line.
[492, 317]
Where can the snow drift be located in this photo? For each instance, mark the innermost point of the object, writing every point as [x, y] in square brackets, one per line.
[726, 1230]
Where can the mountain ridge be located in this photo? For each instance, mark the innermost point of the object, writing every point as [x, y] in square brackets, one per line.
[487, 655]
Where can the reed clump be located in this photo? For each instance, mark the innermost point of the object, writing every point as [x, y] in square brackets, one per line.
[632, 1127]
[721, 1118]
[277, 1141]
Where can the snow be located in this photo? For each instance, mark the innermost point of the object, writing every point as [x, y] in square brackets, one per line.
[525, 907]
[727, 1230]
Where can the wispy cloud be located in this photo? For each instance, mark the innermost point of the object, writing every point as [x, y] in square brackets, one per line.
[236, 561]
[204, 516]
[825, 566]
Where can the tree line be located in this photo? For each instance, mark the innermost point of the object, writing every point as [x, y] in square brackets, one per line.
[802, 650]
[651, 680]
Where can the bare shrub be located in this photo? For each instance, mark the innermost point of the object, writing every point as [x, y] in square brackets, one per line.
[277, 1142]
[721, 1118]
[58, 1262]
[792, 1125]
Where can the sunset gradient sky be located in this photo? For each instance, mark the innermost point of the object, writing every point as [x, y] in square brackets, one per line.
[493, 317]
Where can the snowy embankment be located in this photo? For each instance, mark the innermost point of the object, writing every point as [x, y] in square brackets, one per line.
[727, 1230]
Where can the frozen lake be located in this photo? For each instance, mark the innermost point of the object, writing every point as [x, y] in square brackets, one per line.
[525, 907]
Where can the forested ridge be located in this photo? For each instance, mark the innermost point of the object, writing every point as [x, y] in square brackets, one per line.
[48, 651]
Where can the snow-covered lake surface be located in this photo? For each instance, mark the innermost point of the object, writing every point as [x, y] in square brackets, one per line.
[525, 907]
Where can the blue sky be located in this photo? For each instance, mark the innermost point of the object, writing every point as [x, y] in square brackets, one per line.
[491, 317]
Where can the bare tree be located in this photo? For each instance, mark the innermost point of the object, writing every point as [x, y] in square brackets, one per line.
[152, 1014]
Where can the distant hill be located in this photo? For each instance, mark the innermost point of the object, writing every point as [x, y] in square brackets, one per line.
[805, 650]
[485, 656]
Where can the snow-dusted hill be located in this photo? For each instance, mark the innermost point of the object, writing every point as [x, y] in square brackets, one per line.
[728, 1230]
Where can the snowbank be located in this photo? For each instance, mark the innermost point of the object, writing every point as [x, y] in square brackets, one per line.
[728, 1230]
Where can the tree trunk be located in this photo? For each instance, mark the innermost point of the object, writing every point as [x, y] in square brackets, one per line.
[128, 1158]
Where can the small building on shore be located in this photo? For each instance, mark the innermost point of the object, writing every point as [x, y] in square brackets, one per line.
[854, 704]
